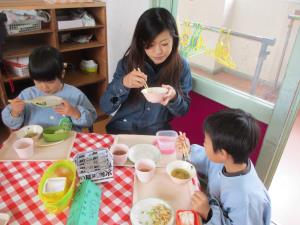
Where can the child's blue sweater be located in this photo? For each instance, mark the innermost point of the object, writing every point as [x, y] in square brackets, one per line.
[236, 200]
[47, 116]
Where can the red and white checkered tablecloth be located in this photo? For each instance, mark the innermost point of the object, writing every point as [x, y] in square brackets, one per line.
[19, 184]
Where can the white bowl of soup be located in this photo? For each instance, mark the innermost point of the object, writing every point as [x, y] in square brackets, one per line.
[154, 94]
[180, 171]
[30, 131]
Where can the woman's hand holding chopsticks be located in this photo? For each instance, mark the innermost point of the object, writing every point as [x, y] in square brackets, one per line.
[135, 79]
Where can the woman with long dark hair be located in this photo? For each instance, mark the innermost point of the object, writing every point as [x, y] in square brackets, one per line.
[151, 59]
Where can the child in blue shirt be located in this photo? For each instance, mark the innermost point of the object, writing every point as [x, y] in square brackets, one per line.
[46, 69]
[235, 194]
[152, 58]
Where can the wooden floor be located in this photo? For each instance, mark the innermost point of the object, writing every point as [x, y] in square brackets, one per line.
[99, 127]
[264, 91]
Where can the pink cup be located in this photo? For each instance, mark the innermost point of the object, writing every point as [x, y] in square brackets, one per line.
[24, 147]
[120, 154]
[145, 169]
[166, 141]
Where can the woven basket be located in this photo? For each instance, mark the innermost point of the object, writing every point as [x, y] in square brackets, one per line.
[23, 26]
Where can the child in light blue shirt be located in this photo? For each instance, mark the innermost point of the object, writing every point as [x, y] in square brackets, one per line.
[46, 69]
[235, 194]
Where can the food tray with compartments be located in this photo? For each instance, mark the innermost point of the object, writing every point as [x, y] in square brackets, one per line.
[96, 165]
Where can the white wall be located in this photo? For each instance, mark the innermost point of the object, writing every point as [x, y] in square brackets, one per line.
[265, 18]
[122, 17]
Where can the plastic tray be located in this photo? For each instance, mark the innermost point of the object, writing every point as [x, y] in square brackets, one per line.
[96, 165]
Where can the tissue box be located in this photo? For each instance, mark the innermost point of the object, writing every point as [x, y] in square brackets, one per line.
[86, 204]
[18, 66]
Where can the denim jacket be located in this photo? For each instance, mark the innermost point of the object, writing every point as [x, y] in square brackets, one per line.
[143, 117]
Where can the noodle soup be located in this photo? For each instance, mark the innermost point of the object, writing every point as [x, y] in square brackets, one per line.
[180, 173]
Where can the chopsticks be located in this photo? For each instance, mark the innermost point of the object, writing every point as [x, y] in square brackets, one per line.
[186, 155]
[26, 101]
[145, 84]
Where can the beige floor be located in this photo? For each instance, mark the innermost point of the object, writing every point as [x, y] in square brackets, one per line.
[284, 189]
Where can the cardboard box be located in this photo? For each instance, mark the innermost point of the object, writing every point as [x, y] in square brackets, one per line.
[67, 24]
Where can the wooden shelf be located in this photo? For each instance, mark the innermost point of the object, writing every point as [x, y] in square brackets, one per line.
[12, 53]
[78, 46]
[42, 31]
[79, 78]
[41, 4]
[93, 85]
[81, 28]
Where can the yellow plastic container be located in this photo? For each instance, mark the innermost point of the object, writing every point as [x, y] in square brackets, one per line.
[58, 201]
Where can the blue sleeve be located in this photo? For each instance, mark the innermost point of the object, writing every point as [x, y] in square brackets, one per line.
[116, 93]
[8, 119]
[199, 159]
[181, 104]
[87, 111]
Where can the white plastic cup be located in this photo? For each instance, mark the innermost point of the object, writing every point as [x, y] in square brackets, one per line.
[24, 147]
[119, 153]
[144, 170]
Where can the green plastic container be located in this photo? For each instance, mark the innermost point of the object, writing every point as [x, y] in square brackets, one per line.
[86, 204]
[57, 203]
[55, 133]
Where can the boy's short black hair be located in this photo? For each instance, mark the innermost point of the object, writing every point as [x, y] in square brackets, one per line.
[45, 64]
[233, 130]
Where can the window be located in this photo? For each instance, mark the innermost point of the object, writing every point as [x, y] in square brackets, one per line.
[248, 20]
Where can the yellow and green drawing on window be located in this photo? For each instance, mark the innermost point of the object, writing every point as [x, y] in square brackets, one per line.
[192, 43]
[191, 40]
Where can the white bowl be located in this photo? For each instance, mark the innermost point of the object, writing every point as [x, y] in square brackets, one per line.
[27, 131]
[154, 94]
[139, 212]
[143, 151]
[179, 164]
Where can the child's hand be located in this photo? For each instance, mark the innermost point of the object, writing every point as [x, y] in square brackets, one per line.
[65, 108]
[182, 143]
[135, 79]
[170, 95]
[200, 204]
[17, 107]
